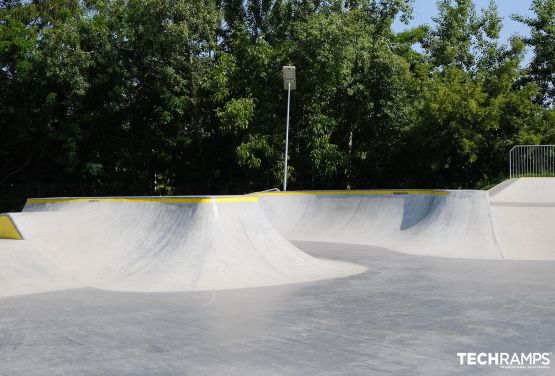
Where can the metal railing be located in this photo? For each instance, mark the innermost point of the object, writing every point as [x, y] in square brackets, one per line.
[532, 161]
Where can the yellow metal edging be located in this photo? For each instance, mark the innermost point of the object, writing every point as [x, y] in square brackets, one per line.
[166, 200]
[247, 198]
[8, 229]
[358, 192]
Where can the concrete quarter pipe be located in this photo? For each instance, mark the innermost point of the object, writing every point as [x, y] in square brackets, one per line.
[454, 224]
[213, 243]
[153, 244]
[512, 221]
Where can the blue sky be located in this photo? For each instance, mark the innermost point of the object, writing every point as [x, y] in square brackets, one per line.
[424, 10]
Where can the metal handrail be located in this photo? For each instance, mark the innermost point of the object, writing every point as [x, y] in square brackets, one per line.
[532, 161]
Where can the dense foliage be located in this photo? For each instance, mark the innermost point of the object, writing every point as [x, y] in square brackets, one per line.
[185, 97]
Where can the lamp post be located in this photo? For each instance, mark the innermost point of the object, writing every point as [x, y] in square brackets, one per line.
[289, 83]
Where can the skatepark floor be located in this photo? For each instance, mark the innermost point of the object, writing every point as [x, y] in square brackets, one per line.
[407, 315]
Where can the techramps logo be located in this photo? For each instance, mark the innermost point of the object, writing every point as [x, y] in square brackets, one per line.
[505, 360]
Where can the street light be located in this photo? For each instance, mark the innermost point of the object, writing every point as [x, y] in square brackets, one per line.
[289, 84]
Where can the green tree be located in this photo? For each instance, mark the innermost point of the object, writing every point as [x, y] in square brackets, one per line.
[180, 97]
[542, 41]
[470, 110]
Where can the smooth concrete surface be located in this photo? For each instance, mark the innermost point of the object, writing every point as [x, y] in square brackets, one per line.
[25, 270]
[455, 224]
[147, 245]
[151, 244]
[525, 232]
[407, 315]
[514, 220]
[311, 307]
[523, 212]
[529, 190]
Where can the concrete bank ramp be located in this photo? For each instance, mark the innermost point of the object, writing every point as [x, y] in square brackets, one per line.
[524, 218]
[26, 270]
[154, 244]
[455, 224]
[540, 191]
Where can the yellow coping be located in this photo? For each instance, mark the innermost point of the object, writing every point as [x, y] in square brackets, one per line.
[8, 230]
[166, 200]
[248, 198]
[359, 192]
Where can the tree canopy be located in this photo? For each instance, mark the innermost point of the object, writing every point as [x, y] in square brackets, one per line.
[148, 97]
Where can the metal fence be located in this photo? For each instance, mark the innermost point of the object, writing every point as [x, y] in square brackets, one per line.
[532, 161]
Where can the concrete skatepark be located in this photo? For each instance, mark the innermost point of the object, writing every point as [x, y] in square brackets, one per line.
[315, 282]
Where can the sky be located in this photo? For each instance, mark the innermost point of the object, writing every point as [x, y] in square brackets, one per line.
[424, 10]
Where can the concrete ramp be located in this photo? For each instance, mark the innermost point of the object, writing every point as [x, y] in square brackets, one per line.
[224, 242]
[454, 224]
[524, 218]
[514, 220]
[539, 191]
[158, 244]
[26, 270]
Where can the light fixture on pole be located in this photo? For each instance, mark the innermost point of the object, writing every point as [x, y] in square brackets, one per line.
[289, 84]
